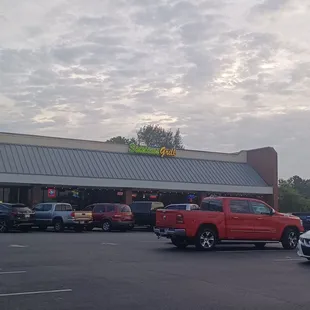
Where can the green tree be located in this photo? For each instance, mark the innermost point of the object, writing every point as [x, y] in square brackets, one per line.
[157, 136]
[290, 197]
[121, 140]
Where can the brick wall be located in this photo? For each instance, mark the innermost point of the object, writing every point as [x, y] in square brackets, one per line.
[265, 162]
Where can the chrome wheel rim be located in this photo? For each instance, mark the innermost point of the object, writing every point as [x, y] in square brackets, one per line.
[207, 240]
[106, 226]
[292, 239]
[2, 226]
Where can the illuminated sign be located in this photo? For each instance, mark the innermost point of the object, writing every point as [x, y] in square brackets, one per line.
[146, 150]
[51, 193]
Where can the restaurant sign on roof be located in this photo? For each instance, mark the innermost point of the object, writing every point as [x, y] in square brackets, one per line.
[146, 150]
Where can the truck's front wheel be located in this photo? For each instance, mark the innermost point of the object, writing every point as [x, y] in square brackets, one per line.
[290, 239]
[206, 239]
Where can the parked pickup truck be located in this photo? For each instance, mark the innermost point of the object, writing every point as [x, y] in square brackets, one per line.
[61, 216]
[231, 220]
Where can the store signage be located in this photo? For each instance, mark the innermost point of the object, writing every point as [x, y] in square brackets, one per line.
[146, 150]
[51, 193]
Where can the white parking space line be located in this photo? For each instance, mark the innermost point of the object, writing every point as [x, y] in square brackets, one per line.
[36, 293]
[289, 259]
[18, 246]
[246, 251]
[108, 243]
[12, 272]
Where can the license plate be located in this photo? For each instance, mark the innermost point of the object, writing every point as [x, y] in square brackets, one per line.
[27, 216]
[81, 222]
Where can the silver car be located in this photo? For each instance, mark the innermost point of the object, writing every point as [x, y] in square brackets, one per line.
[303, 247]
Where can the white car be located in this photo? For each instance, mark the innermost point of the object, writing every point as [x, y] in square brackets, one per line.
[303, 247]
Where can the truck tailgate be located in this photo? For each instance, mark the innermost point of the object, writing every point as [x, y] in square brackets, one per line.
[83, 216]
[166, 218]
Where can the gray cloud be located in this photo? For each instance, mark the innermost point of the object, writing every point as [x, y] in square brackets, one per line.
[232, 74]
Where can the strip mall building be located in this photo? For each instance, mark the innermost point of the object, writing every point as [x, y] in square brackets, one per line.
[37, 169]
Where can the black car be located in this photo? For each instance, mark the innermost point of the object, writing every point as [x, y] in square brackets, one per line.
[15, 216]
[144, 212]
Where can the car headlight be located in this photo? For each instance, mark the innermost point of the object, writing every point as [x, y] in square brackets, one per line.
[301, 239]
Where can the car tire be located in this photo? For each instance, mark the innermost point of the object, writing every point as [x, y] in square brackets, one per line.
[179, 243]
[290, 239]
[58, 226]
[260, 245]
[206, 239]
[106, 226]
[4, 226]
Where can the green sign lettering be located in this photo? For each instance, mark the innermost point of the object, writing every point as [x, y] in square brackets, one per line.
[145, 150]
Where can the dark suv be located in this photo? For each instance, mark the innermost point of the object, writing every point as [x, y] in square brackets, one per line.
[15, 216]
[144, 212]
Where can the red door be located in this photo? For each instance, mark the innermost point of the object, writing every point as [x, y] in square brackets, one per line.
[99, 212]
[240, 221]
[266, 227]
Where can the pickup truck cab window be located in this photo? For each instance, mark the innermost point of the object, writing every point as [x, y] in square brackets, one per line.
[47, 207]
[212, 205]
[240, 206]
[260, 208]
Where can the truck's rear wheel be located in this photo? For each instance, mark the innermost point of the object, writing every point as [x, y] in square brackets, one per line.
[179, 242]
[206, 239]
[58, 226]
[290, 239]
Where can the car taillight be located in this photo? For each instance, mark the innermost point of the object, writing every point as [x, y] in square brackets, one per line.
[180, 219]
[72, 214]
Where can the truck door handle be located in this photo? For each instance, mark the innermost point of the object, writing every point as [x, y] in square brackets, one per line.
[259, 218]
[235, 217]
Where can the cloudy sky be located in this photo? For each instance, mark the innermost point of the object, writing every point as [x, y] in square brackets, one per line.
[232, 74]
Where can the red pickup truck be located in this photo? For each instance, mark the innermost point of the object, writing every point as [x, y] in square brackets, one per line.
[228, 220]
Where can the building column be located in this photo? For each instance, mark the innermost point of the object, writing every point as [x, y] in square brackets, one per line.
[128, 196]
[265, 162]
[36, 195]
[200, 197]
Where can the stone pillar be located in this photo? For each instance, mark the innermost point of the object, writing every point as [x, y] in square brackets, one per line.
[200, 197]
[36, 195]
[265, 162]
[128, 196]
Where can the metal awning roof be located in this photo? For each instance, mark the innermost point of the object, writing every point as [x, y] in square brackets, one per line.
[77, 167]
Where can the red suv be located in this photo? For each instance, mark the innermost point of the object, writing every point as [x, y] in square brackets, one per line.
[109, 216]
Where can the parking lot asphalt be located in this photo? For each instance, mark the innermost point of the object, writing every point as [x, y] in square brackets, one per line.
[96, 270]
